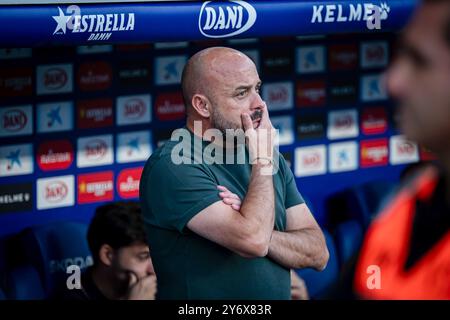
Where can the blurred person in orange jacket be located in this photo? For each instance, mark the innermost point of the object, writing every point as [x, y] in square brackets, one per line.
[406, 251]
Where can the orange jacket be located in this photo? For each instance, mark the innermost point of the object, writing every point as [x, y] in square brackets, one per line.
[386, 246]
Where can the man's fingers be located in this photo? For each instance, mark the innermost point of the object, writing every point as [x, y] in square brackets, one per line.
[149, 280]
[265, 120]
[264, 112]
[132, 278]
[223, 188]
[246, 121]
[230, 198]
[228, 194]
[144, 289]
[231, 201]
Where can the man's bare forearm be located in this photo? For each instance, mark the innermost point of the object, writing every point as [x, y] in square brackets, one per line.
[299, 249]
[258, 206]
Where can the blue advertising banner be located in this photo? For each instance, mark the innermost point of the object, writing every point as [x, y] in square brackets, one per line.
[170, 21]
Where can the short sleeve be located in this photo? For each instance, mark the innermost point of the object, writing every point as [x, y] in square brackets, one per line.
[293, 196]
[176, 193]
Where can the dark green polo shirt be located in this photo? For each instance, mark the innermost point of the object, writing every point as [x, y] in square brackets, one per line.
[187, 265]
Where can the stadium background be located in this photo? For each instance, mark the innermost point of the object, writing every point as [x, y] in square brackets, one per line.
[78, 122]
[321, 92]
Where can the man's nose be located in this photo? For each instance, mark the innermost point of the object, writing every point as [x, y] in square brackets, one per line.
[397, 78]
[258, 102]
[149, 269]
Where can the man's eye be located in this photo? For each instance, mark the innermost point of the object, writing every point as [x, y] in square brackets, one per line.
[258, 89]
[241, 93]
[144, 256]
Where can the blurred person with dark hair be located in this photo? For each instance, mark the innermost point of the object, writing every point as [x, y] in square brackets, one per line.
[122, 269]
[406, 251]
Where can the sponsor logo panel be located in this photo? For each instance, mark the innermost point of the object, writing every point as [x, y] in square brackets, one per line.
[343, 156]
[374, 121]
[374, 153]
[220, 20]
[94, 76]
[343, 57]
[95, 151]
[54, 79]
[169, 69]
[55, 116]
[170, 106]
[402, 151]
[343, 124]
[133, 109]
[95, 187]
[310, 161]
[133, 146]
[310, 59]
[16, 160]
[55, 155]
[278, 95]
[16, 121]
[373, 88]
[311, 93]
[95, 113]
[16, 197]
[311, 126]
[55, 192]
[16, 82]
[374, 54]
[128, 183]
[285, 129]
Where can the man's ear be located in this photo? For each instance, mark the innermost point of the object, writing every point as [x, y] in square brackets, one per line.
[202, 105]
[106, 254]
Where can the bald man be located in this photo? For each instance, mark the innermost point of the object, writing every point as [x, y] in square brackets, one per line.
[203, 246]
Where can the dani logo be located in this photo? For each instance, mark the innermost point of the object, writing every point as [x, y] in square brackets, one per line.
[56, 191]
[14, 120]
[220, 21]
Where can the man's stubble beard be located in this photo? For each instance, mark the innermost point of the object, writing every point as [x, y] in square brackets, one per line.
[220, 122]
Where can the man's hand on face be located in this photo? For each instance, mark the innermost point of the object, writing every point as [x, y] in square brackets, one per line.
[141, 288]
[260, 140]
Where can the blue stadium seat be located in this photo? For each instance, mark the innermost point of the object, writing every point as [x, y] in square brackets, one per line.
[318, 283]
[348, 239]
[53, 247]
[23, 283]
